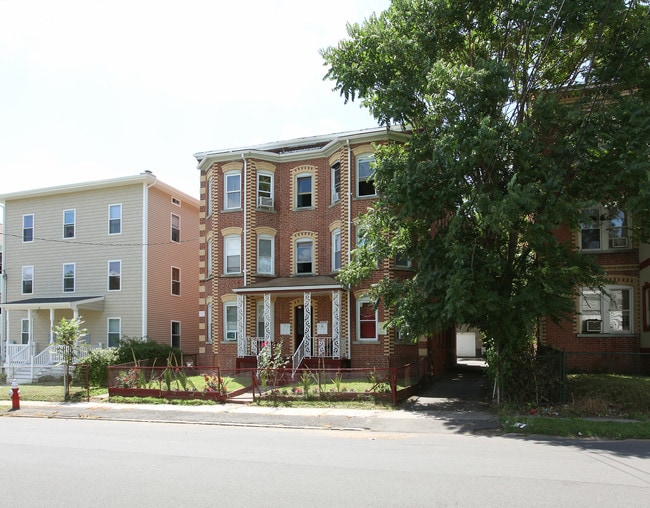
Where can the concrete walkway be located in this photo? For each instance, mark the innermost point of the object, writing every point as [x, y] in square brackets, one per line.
[454, 403]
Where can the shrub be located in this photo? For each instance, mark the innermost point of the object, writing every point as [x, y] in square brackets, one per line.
[135, 349]
[98, 361]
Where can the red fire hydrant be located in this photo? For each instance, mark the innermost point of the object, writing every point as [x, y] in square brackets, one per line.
[15, 396]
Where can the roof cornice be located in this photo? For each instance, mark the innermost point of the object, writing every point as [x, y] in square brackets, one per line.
[300, 148]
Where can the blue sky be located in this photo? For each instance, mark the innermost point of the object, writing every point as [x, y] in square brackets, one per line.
[101, 89]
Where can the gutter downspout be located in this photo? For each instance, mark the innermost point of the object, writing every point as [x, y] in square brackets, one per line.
[349, 193]
[4, 336]
[145, 253]
[244, 196]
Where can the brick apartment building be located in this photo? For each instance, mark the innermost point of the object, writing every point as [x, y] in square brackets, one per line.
[277, 222]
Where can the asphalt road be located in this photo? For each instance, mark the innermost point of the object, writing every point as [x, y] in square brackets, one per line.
[57, 462]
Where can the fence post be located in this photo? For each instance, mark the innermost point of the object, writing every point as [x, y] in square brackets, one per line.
[393, 384]
[253, 383]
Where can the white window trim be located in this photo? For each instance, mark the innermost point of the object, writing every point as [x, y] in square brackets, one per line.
[272, 191]
[171, 289]
[22, 330]
[259, 310]
[23, 279]
[74, 277]
[73, 224]
[359, 160]
[209, 198]
[335, 233]
[226, 305]
[108, 286]
[116, 218]
[108, 330]
[209, 259]
[171, 224]
[335, 195]
[272, 240]
[604, 310]
[171, 333]
[32, 228]
[313, 255]
[604, 240]
[226, 176]
[360, 302]
[226, 254]
[208, 324]
[312, 195]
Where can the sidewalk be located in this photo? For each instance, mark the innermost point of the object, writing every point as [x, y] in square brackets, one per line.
[440, 408]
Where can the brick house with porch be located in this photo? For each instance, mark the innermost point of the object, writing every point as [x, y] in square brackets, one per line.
[277, 222]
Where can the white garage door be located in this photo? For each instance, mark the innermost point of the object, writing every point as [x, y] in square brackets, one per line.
[465, 344]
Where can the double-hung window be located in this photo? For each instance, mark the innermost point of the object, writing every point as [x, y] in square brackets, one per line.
[304, 256]
[336, 182]
[176, 281]
[209, 195]
[68, 277]
[233, 190]
[230, 320]
[176, 334]
[336, 249]
[265, 190]
[304, 187]
[365, 184]
[114, 219]
[209, 257]
[208, 325]
[232, 248]
[114, 275]
[265, 254]
[25, 331]
[114, 327]
[28, 280]
[69, 220]
[176, 228]
[604, 229]
[28, 228]
[366, 320]
[608, 311]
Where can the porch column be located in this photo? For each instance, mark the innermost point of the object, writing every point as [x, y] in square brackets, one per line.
[51, 326]
[307, 319]
[267, 318]
[7, 331]
[241, 321]
[30, 339]
[336, 324]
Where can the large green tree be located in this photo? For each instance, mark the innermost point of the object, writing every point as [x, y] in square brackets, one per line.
[523, 113]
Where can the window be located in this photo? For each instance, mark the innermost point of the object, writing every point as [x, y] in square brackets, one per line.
[604, 229]
[209, 193]
[176, 334]
[28, 228]
[260, 318]
[336, 249]
[233, 190]
[208, 325]
[606, 312]
[114, 275]
[230, 320]
[176, 228]
[68, 277]
[336, 182]
[304, 187]
[265, 190]
[304, 256]
[402, 261]
[233, 254]
[265, 254]
[28, 280]
[24, 331]
[69, 219]
[176, 281]
[209, 257]
[114, 219]
[365, 185]
[366, 320]
[114, 332]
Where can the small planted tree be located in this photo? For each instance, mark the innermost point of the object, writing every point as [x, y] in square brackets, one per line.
[68, 335]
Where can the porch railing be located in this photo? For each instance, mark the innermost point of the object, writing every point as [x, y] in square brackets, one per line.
[298, 357]
[18, 354]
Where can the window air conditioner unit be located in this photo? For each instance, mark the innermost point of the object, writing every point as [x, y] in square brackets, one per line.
[619, 243]
[264, 202]
[594, 325]
[335, 197]
[231, 335]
